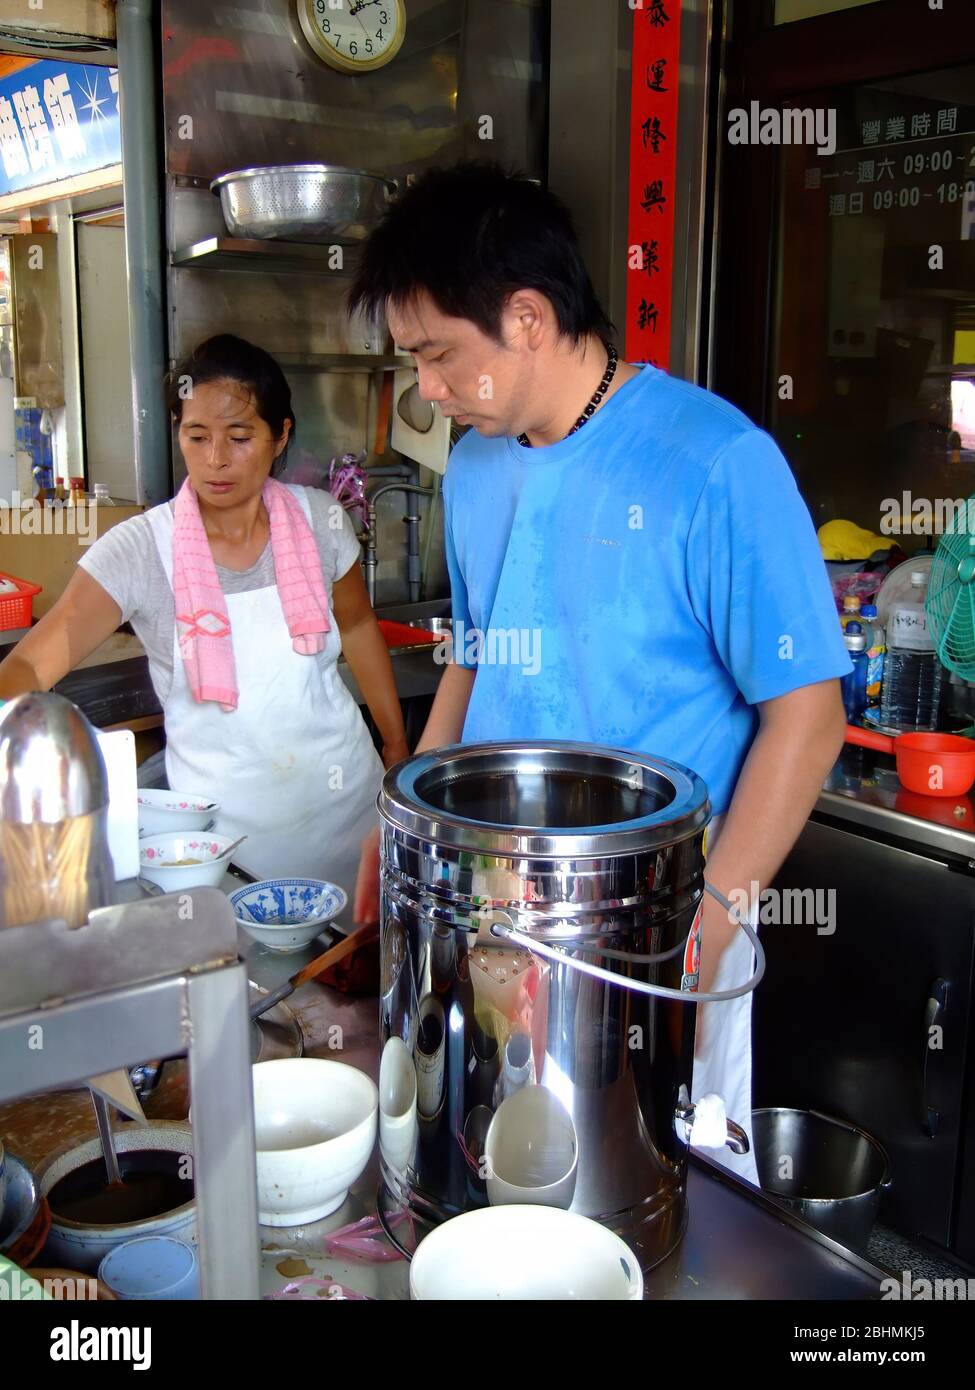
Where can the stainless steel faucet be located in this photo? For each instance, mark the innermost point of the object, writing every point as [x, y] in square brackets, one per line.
[412, 520]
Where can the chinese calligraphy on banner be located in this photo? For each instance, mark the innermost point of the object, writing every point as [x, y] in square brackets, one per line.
[653, 161]
[57, 120]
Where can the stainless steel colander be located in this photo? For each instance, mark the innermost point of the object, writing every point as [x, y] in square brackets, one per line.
[302, 202]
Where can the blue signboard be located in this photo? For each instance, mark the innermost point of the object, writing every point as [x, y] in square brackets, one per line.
[57, 120]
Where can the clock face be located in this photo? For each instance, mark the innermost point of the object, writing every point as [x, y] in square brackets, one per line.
[353, 35]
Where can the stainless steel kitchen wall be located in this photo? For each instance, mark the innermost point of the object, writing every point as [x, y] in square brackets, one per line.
[241, 87]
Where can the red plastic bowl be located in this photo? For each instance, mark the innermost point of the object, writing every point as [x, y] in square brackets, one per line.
[931, 764]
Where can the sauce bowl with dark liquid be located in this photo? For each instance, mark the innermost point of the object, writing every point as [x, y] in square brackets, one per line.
[89, 1217]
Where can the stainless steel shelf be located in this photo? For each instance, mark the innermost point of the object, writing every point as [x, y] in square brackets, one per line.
[264, 257]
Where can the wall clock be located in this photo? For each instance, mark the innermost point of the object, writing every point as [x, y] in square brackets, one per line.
[353, 35]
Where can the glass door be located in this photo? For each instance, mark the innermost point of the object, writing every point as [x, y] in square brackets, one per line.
[873, 312]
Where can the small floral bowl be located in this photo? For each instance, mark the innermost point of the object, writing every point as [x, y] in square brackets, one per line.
[285, 914]
[166, 810]
[184, 859]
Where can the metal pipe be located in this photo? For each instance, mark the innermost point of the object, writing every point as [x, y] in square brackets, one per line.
[390, 470]
[432, 513]
[412, 545]
[139, 105]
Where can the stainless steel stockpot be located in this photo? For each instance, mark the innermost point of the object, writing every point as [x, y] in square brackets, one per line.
[535, 899]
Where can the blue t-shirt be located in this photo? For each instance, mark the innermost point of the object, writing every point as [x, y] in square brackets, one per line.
[642, 584]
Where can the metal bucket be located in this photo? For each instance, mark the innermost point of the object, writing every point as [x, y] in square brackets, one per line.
[522, 885]
[829, 1172]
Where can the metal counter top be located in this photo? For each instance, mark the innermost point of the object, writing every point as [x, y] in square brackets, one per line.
[863, 789]
[738, 1244]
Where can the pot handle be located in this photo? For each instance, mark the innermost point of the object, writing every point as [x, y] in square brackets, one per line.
[934, 1013]
[501, 925]
[866, 738]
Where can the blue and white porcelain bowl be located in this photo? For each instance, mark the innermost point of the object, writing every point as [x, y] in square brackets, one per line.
[285, 914]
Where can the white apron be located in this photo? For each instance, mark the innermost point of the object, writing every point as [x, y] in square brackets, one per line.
[723, 1059]
[293, 767]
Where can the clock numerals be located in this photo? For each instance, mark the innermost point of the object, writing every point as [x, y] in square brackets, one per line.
[346, 37]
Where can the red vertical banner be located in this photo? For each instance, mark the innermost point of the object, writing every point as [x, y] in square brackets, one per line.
[653, 163]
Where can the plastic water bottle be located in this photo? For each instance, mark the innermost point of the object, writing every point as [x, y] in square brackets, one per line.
[851, 610]
[876, 652]
[913, 675]
[854, 684]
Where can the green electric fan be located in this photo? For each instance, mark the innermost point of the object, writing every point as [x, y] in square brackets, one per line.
[950, 601]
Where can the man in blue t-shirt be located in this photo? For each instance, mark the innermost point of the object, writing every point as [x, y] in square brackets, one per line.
[630, 561]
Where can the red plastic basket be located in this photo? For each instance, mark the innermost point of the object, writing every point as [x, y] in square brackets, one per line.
[15, 609]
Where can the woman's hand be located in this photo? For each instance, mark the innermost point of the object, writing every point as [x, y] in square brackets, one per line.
[82, 619]
[366, 652]
[395, 752]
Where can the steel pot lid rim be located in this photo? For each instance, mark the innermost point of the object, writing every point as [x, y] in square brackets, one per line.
[685, 813]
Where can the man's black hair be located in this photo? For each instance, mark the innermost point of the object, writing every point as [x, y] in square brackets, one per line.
[469, 236]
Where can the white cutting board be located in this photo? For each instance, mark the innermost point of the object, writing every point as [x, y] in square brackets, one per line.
[118, 750]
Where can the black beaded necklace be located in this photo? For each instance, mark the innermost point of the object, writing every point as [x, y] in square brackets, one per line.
[597, 396]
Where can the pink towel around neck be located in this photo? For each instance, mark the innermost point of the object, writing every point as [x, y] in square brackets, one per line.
[202, 620]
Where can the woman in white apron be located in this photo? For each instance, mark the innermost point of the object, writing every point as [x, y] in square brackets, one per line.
[293, 766]
[244, 591]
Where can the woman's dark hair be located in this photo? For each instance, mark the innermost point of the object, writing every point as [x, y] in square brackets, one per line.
[469, 236]
[228, 358]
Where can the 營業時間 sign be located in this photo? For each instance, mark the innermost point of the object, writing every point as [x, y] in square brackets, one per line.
[57, 120]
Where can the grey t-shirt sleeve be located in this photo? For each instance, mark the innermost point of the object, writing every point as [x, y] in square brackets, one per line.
[117, 561]
[335, 534]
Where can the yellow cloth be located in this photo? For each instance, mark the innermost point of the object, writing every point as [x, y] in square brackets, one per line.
[844, 540]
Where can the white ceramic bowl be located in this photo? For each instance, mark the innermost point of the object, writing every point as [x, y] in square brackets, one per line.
[315, 1124]
[286, 914]
[159, 857]
[161, 810]
[524, 1253]
[531, 1151]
